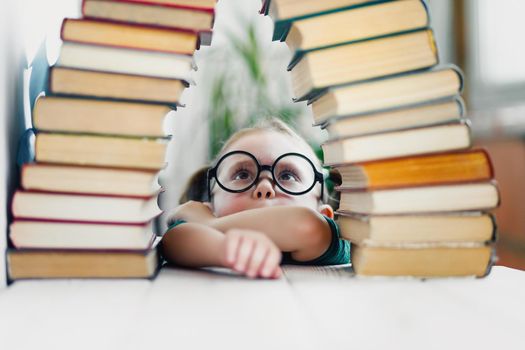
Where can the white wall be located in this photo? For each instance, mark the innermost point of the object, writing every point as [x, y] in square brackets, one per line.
[441, 16]
[23, 26]
[11, 62]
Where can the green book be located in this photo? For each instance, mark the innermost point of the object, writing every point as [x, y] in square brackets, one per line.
[284, 12]
[367, 23]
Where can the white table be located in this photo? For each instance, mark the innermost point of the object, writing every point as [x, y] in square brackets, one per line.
[307, 309]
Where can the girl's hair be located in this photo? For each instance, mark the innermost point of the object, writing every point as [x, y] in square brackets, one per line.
[196, 187]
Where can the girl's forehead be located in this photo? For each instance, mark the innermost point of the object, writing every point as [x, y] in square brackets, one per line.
[266, 146]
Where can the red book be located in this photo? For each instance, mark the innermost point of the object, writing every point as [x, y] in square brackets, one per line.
[150, 12]
[208, 5]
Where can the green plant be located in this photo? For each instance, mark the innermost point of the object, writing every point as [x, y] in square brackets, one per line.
[240, 93]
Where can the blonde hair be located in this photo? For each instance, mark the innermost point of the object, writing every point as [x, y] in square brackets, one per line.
[196, 187]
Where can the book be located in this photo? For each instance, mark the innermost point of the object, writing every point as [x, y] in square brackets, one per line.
[129, 36]
[25, 264]
[91, 116]
[424, 199]
[78, 208]
[197, 4]
[282, 9]
[89, 180]
[407, 230]
[361, 61]
[443, 168]
[125, 61]
[76, 82]
[366, 22]
[107, 151]
[425, 261]
[439, 138]
[383, 94]
[446, 111]
[29, 234]
[284, 12]
[163, 14]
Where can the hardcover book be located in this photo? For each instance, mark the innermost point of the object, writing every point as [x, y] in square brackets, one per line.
[425, 199]
[442, 168]
[32, 234]
[366, 22]
[361, 61]
[79, 208]
[158, 14]
[107, 151]
[129, 36]
[125, 61]
[30, 264]
[439, 138]
[447, 111]
[425, 261]
[407, 230]
[284, 12]
[76, 82]
[389, 93]
[89, 180]
[92, 116]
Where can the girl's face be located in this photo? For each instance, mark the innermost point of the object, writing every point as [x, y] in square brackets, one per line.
[266, 146]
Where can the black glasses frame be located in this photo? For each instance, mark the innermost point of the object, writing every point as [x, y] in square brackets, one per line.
[212, 174]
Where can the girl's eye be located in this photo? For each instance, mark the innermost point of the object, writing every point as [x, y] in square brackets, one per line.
[288, 176]
[242, 175]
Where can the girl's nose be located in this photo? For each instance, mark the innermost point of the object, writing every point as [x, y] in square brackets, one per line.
[264, 189]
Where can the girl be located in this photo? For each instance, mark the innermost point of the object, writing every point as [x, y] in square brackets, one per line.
[259, 205]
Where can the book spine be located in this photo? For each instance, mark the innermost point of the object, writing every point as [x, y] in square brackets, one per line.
[166, 5]
[150, 25]
[264, 7]
[36, 220]
[131, 24]
[282, 26]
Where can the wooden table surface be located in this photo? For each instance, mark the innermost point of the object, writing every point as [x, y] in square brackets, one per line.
[309, 308]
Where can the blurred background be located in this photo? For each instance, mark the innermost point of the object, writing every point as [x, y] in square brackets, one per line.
[242, 77]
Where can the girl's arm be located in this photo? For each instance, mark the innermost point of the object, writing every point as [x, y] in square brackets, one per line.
[193, 245]
[299, 230]
[248, 252]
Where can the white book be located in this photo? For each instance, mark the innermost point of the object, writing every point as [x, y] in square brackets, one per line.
[125, 61]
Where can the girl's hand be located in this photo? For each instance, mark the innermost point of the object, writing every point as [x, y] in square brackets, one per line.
[251, 253]
[192, 211]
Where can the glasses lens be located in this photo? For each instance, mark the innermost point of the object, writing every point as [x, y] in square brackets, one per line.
[237, 172]
[294, 173]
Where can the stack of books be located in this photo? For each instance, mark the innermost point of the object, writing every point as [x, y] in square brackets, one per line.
[88, 203]
[414, 196]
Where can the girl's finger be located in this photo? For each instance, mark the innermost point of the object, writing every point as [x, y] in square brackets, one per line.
[271, 262]
[257, 258]
[277, 273]
[232, 245]
[243, 253]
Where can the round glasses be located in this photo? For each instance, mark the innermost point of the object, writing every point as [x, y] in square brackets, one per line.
[238, 171]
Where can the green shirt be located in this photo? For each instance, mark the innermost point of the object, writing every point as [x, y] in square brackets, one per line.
[337, 253]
